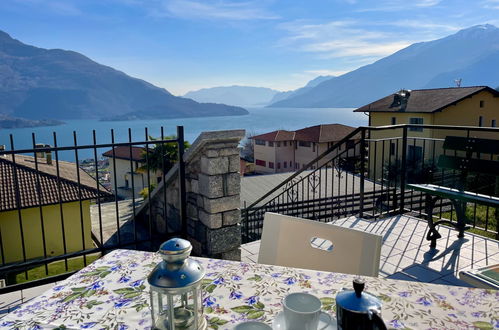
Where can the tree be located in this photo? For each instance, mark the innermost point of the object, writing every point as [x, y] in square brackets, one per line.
[162, 154]
[248, 150]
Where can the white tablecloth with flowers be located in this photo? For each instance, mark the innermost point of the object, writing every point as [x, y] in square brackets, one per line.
[112, 293]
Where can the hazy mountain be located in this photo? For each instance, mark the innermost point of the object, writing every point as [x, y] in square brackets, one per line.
[312, 83]
[37, 83]
[485, 71]
[470, 54]
[234, 95]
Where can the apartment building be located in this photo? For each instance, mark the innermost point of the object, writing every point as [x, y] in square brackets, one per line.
[284, 151]
[456, 106]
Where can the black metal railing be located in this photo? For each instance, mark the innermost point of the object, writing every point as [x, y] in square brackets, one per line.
[59, 212]
[366, 173]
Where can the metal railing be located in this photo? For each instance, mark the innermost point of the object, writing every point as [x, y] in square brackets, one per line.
[366, 173]
[56, 216]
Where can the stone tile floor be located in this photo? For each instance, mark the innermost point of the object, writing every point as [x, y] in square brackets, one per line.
[406, 254]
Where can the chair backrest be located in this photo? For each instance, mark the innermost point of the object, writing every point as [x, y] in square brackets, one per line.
[289, 241]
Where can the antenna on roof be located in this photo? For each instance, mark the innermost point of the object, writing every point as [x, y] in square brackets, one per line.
[458, 82]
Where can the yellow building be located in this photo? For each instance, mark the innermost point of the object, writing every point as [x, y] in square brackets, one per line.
[44, 205]
[459, 106]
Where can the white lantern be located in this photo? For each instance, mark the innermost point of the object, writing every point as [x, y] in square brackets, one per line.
[176, 288]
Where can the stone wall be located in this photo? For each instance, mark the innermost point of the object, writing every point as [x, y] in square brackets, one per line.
[213, 187]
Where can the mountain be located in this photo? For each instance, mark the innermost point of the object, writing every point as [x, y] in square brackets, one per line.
[37, 83]
[471, 54]
[485, 71]
[312, 83]
[234, 95]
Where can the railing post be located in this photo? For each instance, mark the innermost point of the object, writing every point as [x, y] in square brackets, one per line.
[181, 177]
[403, 169]
[245, 223]
[362, 170]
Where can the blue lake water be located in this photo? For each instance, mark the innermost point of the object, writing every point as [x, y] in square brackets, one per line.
[259, 120]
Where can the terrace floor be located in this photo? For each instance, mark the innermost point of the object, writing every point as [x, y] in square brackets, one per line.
[406, 254]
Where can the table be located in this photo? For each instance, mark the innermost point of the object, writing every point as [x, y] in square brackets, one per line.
[112, 293]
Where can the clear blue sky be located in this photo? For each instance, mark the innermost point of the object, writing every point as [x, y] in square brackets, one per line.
[183, 45]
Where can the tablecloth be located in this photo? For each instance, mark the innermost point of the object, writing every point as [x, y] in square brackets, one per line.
[112, 293]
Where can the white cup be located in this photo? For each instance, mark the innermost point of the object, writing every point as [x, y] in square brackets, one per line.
[302, 312]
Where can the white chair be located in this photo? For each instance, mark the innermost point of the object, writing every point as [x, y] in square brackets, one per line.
[295, 242]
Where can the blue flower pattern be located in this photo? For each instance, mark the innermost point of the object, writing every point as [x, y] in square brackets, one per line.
[127, 270]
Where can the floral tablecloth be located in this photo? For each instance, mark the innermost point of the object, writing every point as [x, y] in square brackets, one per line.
[112, 293]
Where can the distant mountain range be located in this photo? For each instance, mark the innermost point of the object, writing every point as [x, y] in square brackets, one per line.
[37, 83]
[245, 96]
[471, 54]
[311, 84]
[248, 96]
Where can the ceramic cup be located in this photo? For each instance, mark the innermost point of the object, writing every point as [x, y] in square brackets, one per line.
[302, 312]
[252, 325]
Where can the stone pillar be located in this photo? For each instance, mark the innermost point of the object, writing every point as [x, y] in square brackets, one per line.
[213, 193]
[213, 196]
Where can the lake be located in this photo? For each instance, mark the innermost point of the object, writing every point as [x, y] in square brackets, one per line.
[259, 120]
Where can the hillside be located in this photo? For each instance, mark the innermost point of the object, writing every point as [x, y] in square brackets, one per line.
[37, 83]
[312, 83]
[471, 54]
[234, 95]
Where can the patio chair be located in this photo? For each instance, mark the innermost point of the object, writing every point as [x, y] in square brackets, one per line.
[300, 243]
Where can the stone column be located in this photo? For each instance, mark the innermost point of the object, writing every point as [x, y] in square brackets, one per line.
[213, 191]
[213, 197]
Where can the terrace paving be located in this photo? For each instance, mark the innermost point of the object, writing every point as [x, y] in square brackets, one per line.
[406, 254]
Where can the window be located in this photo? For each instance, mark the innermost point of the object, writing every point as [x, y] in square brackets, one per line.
[304, 144]
[394, 120]
[290, 163]
[480, 121]
[285, 143]
[278, 165]
[297, 165]
[260, 142]
[285, 164]
[392, 148]
[260, 162]
[127, 184]
[482, 103]
[136, 165]
[415, 154]
[313, 147]
[271, 165]
[271, 144]
[493, 123]
[416, 121]
[278, 144]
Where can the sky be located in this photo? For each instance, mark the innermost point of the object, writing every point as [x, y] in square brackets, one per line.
[184, 45]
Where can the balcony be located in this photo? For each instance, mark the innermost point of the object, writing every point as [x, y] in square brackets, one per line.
[361, 184]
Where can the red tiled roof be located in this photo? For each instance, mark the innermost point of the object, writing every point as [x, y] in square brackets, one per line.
[279, 135]
[27, 183]
[123, 152]
[323, 133]
[425, 100]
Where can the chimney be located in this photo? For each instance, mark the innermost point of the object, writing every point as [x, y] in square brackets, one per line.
[43, 154]
[400, 99]
[2, 148]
